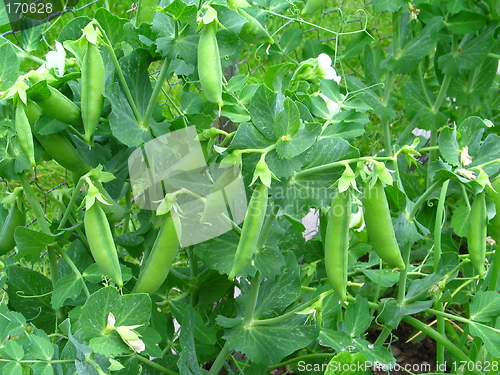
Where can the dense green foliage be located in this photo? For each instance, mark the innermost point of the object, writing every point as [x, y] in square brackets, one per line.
[157, 163]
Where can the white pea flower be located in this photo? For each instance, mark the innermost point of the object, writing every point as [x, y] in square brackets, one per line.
[325, 69]
[465, 158]
[57, 59]
[333, 106]
[467, 174]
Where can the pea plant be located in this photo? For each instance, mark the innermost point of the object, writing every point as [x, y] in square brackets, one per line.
[157, 163]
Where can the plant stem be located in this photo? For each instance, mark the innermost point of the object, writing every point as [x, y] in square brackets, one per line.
[495, 270]
[44, 225]
[156, 91]
[452, 348]
[72, 202]
[220, 360]
[382, 337]
[252, 300]
[266, 227]
[337, 164]
[154, 365]
[420, 201]
[288, 315]
[403, 274]
[439, 223]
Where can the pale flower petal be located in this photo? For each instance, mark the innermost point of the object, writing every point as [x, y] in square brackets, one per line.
[325, 68]
[137, 345]
[57, 59]
[333, 107]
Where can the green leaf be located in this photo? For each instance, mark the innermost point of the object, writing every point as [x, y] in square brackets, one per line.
[485, 306]
[9, 66]
[73, 29]
[455, 6]
[13, 368]
[489, 151]
[415, 50]
[268, 344]
[13, 350]
[264, 109]
[393, 312]
[276, 295]
[340, 341]
[31, 33]
[68, 286]
[357, 317]
[31, 243]
[188, 360]
[46, 125]
[288, 120]
[112, 25]
[490, 337]
[465, 22]
[130, 309]
[41, 348]
[370, 98]
[388, 5]
[202, 332]
[290, 146]
[41, 368]
[470, 56]
[386, 276]
[26, 285]
[459, 220]
[291, 39]
[416, 106]
[470, 133]
[123, 124]
[110, 344]
[448, 146]
[191, 103]
[182, 12]
[346, 363]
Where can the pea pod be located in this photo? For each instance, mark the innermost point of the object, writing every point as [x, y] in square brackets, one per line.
[312, 6]
[379, 226]
[160, 259]
[337, 243]
[252, 226]
[92, 84]
[24, 134]
[57, 145]
[476, 235]
[15, 218]
[209, 64]
[101, 243]
[494, 225]
[252, 31]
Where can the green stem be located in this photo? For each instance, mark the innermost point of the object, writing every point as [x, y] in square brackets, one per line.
[452, 348]
[266, 227]
[342, 163]
[121, 76]
[441, 329]
[72, 202]
[403, 274]
[495, 270]
[288, 315]
[156, 91]
[44, 225]
[154, 365]
[382, 337]
[420, 201]
[220, 360]
[252, 300]
[439, 223]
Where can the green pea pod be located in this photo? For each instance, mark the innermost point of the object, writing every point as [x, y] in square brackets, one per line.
[312, 6]
[252, 31]
[494, 225]
[256, 213]
[337, 243]
[61, 108]
[209, 64]
[101, 242]
[92, 84]
[160, 259]
[114, 211]
[15, 218]
[57, 145]
[24, 134]
[476, 235]
[379, 226]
